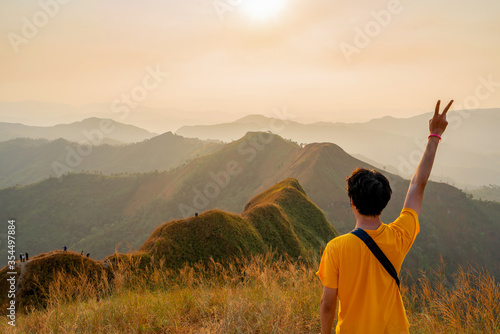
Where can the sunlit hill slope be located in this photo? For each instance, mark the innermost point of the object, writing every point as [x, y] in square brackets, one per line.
[282, 219]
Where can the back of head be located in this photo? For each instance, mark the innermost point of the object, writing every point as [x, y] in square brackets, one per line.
[369, 191]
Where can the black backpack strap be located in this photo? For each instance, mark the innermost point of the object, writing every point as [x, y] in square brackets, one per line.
[372, 245]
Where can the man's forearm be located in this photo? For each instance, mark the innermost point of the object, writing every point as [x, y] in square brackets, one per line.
[437, 125]
[327, 315]
[424, 167]
[327, 308]
[415, 195]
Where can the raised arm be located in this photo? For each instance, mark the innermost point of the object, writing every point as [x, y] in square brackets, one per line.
[415, 195]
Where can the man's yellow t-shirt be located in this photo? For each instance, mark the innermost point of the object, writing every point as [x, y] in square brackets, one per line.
[369, 298]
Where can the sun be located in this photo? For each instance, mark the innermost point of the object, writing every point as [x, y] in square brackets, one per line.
[262, 10]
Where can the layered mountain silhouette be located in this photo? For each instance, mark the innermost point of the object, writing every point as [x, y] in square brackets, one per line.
[24, 161]
[91, 130]
[281, 219]
[97, 212]
[158, 120]
[470, 154]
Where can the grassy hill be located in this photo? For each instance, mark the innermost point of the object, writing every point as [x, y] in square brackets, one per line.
[95, 212]
[214, 234]
[282, 219]
[24, 161]
[68, 272]
[288, 221]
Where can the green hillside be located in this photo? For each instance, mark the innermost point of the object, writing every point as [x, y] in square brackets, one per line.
[95, 213]
[24, 161]
[288, 221]
[56, 213]
[214, 234]
[281, 219]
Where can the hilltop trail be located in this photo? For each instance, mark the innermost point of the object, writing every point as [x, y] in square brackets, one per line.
[22, 266]
[35, 276]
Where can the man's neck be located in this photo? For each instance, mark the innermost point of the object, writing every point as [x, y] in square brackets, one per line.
[368, 222]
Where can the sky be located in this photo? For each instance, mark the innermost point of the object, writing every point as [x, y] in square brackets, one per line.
[322, 60]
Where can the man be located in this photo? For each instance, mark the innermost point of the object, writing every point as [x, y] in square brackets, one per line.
[369, 297]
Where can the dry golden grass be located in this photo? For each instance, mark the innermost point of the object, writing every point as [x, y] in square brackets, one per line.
[468, 304]
[258, 295]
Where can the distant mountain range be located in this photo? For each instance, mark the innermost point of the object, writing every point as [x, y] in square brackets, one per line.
[24, 161]
[488, 193]
[96, 213]
[469, 155]
[39, 113]
[95, 131]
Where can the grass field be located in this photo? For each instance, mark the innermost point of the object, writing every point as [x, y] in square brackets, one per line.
[262, 294]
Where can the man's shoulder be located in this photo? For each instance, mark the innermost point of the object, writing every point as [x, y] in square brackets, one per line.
[409, 212]
[407, 217]
[341, 240]
[406, 226]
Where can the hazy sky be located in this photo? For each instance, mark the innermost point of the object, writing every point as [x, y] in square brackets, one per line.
[399, 56]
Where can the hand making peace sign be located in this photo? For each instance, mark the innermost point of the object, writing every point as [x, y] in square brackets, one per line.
[438, 122]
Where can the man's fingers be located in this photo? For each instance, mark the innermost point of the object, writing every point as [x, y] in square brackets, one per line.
[438, 104]
[436, 112]
[447, 107]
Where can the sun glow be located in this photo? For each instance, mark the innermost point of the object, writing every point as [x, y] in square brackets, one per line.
[262, 9]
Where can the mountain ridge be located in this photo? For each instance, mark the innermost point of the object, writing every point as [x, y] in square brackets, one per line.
[106, 211]
[471, 154]
[24, 160]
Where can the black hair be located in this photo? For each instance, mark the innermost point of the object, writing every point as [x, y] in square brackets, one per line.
[369, 191]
